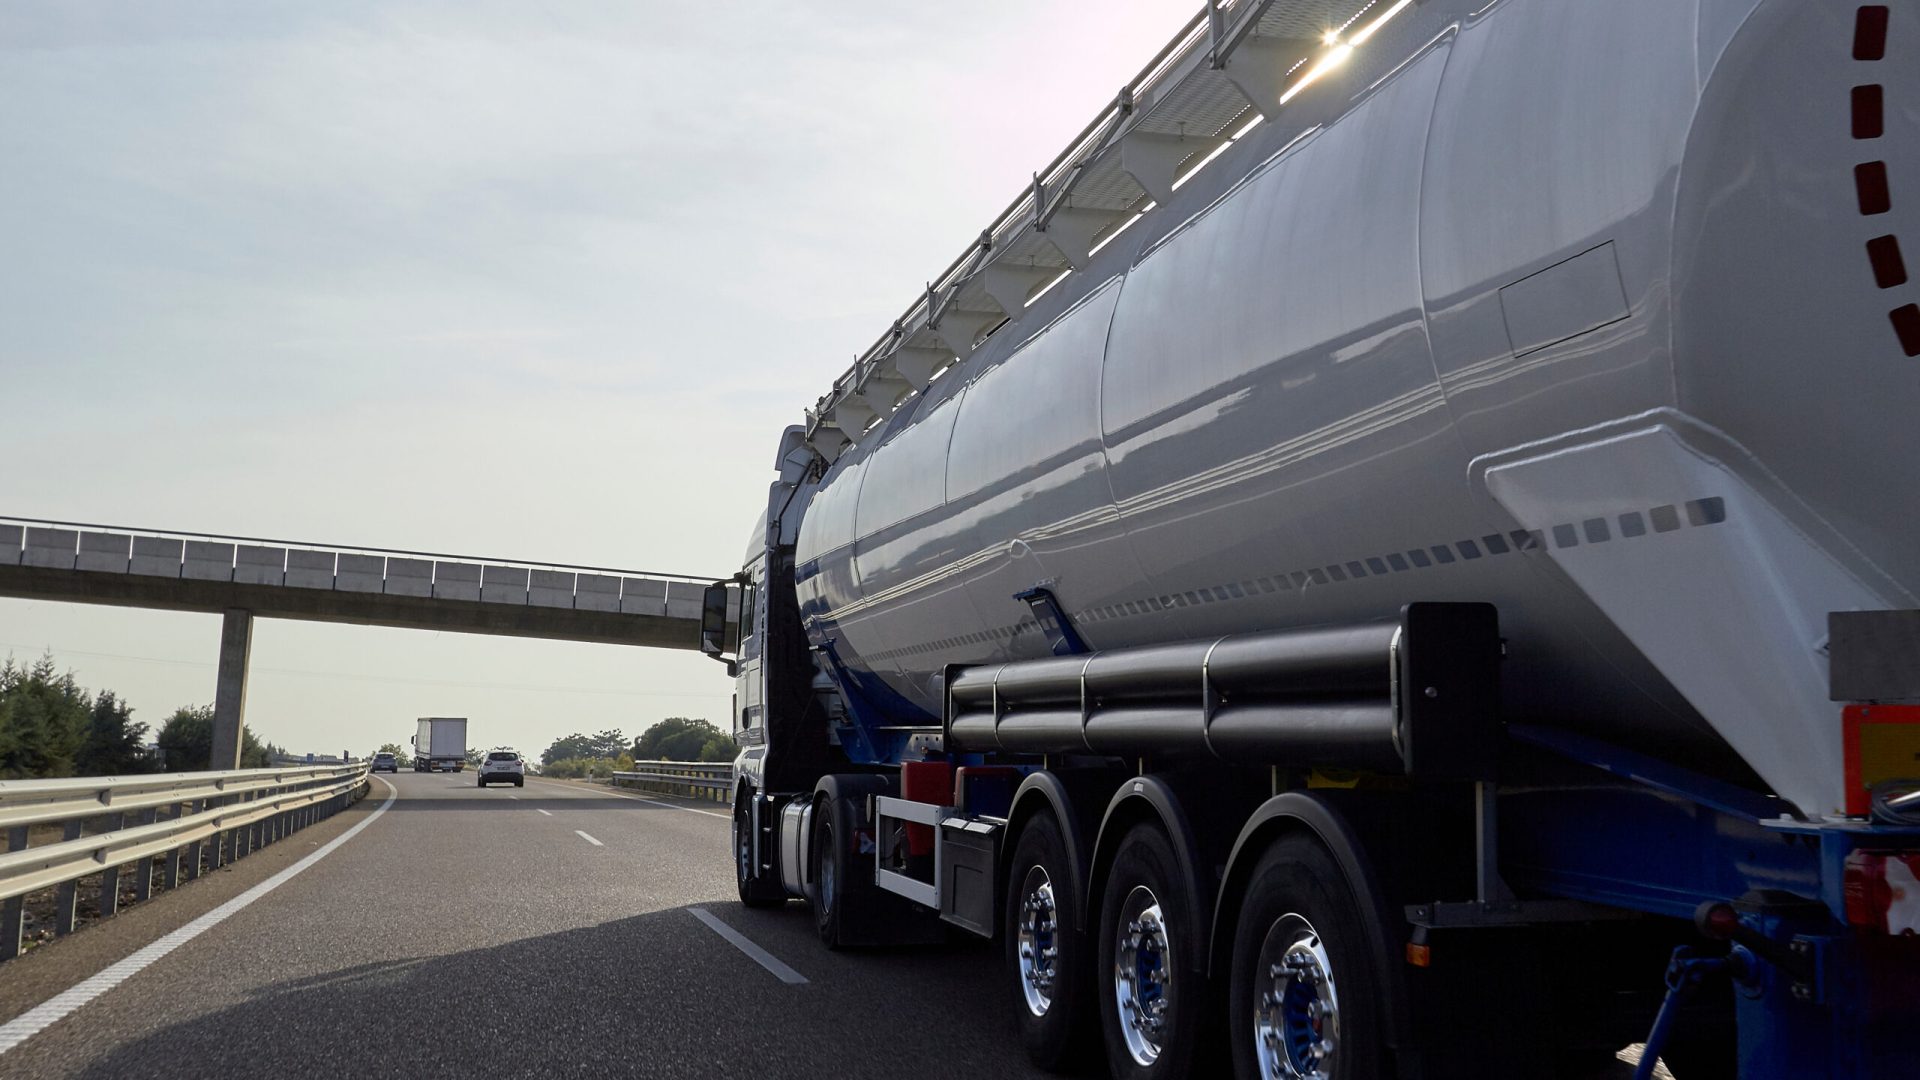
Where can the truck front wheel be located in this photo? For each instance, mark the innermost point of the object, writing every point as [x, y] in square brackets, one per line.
[831, 866]
[1304, 999]
[754, 891]
[1046, 963]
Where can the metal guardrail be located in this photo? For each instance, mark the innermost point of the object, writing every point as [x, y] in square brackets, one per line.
[699, 779]
[170, 818]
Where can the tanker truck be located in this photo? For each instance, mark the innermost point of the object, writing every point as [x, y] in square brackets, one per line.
[1393, 557]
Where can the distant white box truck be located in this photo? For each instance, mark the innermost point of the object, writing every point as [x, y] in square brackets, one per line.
[441, 743]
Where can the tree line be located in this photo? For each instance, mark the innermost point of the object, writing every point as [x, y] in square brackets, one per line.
[51, 726]
[677, 738]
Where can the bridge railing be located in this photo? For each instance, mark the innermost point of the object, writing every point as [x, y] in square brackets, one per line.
[350, 568]
[701, 780]
[180, 824]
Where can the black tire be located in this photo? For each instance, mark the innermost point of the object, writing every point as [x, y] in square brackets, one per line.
[754, 892]
[1298, 889]
[519, 781]
[1145, 859]
[831, 860]
[482, 782]
[1061, 1036]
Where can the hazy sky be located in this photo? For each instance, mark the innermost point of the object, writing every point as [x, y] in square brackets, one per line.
[542, 281]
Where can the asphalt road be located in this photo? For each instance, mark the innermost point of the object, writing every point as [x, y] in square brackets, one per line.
[479, 932]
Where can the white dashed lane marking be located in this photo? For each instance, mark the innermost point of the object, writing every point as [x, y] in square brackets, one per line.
[754, 952]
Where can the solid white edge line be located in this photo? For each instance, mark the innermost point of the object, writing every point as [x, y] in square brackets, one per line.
[636, 798]
[549, 813]
[588, 839]
[41, 1016]
[754, 952]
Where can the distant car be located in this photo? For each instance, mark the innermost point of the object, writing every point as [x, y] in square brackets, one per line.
[385, 763]
[504, 766]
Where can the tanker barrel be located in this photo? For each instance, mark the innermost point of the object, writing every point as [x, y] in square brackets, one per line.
[1418, 694]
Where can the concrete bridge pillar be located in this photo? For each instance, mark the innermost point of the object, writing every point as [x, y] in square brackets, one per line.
[230, 693]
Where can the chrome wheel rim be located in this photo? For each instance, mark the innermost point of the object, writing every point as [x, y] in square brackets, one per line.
[1036, 942]
[1143, 975]
[1296, 1022]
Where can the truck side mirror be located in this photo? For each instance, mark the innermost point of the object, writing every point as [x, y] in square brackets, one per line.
[713, 623]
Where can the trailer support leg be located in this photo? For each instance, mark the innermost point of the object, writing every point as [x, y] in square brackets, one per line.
[1489, 887]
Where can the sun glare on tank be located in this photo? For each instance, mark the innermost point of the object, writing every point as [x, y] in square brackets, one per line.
[1334, 58]
[1368, 30]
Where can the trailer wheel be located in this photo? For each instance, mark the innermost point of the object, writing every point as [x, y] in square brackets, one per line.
[1304, 999]
[1047, 969]
[1152, 1003]
[754, 892]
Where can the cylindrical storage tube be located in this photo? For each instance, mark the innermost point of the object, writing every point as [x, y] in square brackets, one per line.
[1342, 734]
[1323, 661]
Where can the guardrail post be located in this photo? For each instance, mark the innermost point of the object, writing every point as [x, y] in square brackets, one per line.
[13, 912]
[143, 876]
[170, 862]
[110, 877]
[201, 852]
[66, 894]
[224, 840]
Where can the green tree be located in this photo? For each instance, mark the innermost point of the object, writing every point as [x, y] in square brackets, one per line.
[112, 745]
[678, 738]
[607, 744]
[186, 742]
[45, 719]
[400, 756]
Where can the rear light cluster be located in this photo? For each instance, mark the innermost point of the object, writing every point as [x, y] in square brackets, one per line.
[1883, 891]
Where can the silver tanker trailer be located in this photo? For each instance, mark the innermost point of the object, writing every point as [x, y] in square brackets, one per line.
[1395, 557]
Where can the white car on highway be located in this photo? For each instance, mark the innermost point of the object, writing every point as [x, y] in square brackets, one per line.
[504, 766]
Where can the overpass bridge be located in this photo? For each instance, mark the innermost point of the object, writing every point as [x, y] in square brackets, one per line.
[241, 578]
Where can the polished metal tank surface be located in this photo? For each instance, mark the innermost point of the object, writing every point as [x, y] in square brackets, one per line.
[1578, 309]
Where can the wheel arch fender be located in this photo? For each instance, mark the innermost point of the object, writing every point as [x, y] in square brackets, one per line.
[1152, 799]
[1315, 815]
[1043, 792]
[855, 787]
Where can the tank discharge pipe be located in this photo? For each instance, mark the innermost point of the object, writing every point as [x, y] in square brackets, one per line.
[1416, 694]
